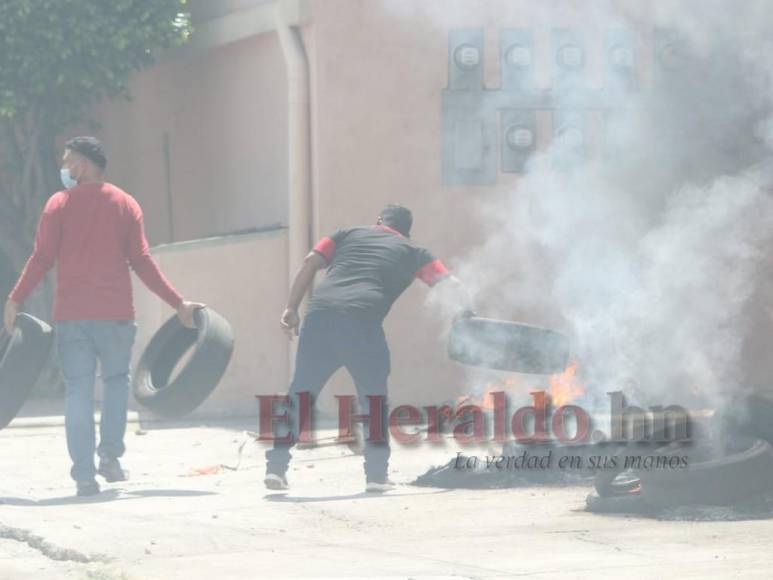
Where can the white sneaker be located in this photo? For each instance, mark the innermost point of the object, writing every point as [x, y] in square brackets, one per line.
[380, 486]
[276, 482]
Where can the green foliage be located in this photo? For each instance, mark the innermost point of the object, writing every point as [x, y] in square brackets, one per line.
[58, 57]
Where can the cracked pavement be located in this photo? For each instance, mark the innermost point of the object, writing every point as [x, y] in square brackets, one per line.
[180, 517]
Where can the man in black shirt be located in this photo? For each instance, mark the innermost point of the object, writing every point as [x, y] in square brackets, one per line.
[368, 268]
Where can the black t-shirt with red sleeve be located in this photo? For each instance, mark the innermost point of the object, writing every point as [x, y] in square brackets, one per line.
[369, 268]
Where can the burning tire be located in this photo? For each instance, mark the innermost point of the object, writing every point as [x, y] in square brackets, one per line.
[629, 503]
[746, 471]
[508, 346]
[616, 483]
[619, 479]
[210, 345]
[22, 357]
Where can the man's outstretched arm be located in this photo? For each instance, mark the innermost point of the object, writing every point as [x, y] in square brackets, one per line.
[434, 272]
[146, 268]
[290, 320]
[461, 296]
[41, 261]
[458, 294]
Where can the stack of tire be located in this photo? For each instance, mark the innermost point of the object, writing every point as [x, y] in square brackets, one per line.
[177, 371]
[735, 467]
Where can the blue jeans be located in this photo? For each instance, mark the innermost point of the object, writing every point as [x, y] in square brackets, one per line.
[80, 344]
[328, 341]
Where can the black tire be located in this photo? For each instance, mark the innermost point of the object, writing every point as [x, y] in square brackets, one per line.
[619, 480]
[212, 343]
[22, 357]
[630, 503]
[508, 346]
[616, 483]
[745, 472]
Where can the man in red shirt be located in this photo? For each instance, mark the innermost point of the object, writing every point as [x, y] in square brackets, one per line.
[93, 232]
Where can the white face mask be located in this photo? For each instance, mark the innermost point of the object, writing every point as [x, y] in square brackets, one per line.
[67, 179]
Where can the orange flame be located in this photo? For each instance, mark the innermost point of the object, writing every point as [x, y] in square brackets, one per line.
[486, 400]
[566, 387]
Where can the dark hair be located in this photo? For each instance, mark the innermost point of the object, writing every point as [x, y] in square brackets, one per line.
[397, 217]
[89, 147]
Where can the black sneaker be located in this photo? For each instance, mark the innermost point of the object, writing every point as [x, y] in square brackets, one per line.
[110, 469]
[86, 488]
[276, 482]
[380, 485]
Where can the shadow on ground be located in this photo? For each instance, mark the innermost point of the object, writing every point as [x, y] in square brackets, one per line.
[285, 498]
[105, 496]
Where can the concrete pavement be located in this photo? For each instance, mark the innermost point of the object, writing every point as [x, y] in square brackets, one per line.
[181, 517]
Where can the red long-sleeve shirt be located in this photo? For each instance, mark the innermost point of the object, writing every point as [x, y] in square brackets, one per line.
[93, 233]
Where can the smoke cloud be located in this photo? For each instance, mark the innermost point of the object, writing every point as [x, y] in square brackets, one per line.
[651, 254]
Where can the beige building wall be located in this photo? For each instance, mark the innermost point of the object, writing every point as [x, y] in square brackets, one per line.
[378, 69]
[223, 114]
